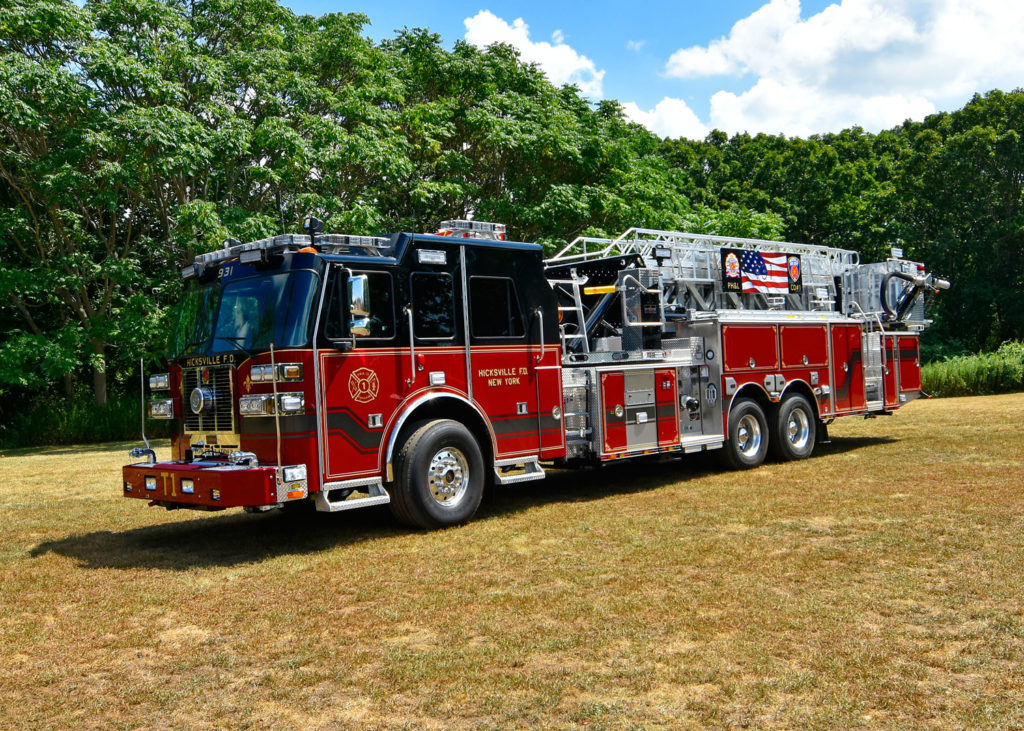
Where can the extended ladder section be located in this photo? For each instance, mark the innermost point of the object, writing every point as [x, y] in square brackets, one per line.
[661, 276]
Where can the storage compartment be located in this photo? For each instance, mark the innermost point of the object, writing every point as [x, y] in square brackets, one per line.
[750, 347]
[804, 346]
[910, 363]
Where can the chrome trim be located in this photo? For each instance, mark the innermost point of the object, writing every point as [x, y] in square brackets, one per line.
[465, 323]
[742, 389]
[789, 387]
[142, 402]
[388, 456]
[317, 386]
[448, 477]
[376, 495]
[277, 405]
[748, 434]
[539, 312]
[412, 348]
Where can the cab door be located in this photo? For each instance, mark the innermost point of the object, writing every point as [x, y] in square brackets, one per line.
[507, 384]
[360, 371]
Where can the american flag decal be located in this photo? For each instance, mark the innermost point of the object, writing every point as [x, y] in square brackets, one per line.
[765, 273]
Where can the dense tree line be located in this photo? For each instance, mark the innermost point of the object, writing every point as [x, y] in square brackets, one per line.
[137, 133]
[947, 190]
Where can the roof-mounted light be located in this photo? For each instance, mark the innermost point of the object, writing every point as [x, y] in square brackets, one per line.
[461, 228]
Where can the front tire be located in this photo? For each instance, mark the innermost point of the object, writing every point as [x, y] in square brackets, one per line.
[748, 436]
[794, 428]
[439, 477]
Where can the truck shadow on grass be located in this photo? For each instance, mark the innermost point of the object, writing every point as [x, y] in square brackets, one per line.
[235, 538]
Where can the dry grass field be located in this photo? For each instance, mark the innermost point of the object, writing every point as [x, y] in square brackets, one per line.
[877, 584]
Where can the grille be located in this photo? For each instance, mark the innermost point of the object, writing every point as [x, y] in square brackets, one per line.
[222, 417]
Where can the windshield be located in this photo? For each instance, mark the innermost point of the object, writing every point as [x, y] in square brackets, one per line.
[246, 314]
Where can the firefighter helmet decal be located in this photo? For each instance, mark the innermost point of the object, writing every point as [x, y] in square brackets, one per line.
[363, 385]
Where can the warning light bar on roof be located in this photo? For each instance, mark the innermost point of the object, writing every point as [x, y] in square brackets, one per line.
[461, 228]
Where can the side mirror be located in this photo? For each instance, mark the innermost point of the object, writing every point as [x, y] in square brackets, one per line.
[358, 305]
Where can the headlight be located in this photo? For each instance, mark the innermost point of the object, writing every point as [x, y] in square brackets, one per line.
[160, 382]
[161, 409]
[294, 474]
[285, 372]
[263, 404]
[253, 405]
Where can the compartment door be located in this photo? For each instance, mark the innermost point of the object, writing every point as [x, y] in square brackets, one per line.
[549, 398]
[847, 368]
[891, 372]
[613, 413]
[665, 394]
[910, 363]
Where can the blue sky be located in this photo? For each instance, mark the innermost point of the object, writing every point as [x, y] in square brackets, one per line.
[780, 66]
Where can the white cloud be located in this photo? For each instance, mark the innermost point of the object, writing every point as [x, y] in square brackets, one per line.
[867, 62]
[560, 61]
[669, 118]
[635, 45]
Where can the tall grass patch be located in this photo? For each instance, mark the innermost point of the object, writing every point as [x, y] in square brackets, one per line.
[975, 375]
[79, 420]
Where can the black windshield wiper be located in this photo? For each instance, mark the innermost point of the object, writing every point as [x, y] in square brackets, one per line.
[233, 339]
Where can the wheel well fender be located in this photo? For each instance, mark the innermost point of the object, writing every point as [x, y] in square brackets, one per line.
[801, 387]
[752, 391]
[439, 406]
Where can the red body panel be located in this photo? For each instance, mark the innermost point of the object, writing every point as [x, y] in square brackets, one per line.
[750, 348]
[507, 390]
[891, 373]
[238, 486]
[847, 368]
[298, 432]
[549, 397]
[365, 383]
[613, 427]
[909, 363]
[804, 346]
[805, 358]
[665, 390]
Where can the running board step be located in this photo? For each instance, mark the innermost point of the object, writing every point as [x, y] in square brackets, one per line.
[345, 496]
[513, 472]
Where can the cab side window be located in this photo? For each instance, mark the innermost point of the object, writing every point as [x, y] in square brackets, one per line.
[381, 321]
[494, 308]
[433, 305]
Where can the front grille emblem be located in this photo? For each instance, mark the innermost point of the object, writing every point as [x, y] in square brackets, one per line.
[209, 394]
[201, 400]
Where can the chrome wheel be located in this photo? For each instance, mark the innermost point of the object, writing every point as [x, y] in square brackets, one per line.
[793, 428]
[448, 477]
[748, 435]
[798, 428]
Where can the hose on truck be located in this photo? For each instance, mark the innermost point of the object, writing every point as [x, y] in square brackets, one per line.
[909, 294]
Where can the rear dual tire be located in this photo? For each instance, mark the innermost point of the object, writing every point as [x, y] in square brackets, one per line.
[794, 428]
[790, 434]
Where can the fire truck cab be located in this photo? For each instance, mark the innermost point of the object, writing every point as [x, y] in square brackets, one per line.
[350, 371]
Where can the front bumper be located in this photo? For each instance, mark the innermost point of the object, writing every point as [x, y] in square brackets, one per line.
[215, 485]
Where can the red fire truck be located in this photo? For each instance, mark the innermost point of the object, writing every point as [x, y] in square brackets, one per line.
[415, 369]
